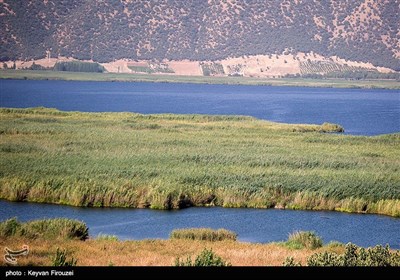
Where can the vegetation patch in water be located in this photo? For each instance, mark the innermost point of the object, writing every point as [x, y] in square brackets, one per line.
[171, 161]
[203, 234]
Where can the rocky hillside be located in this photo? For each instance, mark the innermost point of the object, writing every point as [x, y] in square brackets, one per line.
[365, 31]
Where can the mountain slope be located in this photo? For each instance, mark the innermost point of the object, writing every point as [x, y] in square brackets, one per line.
[104, 31]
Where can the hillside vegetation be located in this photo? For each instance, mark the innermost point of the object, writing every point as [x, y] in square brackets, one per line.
[178, 161]
[104, 31]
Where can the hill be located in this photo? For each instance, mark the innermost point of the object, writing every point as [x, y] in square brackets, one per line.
[234, 37]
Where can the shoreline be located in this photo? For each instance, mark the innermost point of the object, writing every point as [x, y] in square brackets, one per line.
[159, 78]
[156, 252]
[339, 210]
[109, 251]
[66, 242]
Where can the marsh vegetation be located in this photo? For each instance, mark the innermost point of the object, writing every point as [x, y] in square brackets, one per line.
[177, 161]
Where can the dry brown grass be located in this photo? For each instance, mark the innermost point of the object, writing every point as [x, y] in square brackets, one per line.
[154, 252]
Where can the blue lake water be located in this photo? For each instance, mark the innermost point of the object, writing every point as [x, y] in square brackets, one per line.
[359, 111]
[252, 225]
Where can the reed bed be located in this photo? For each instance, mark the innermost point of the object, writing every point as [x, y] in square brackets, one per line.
[176, 161]
[44, 229]
[203, 234]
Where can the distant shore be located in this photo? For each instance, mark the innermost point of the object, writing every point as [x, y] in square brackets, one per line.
[158, 78]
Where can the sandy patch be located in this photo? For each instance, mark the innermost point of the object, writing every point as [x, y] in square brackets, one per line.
[185, 67]
[45, 62]
[261, 65]
[118, 66]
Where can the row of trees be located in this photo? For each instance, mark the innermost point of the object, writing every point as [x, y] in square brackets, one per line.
[353, 75]
[72, 66]
[78, 66]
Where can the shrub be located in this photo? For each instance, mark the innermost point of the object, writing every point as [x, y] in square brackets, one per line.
[203, 234]
[205, 258]
[357, 256]
[60, 259]
[304, 239]
[324, 259]
[289, 261]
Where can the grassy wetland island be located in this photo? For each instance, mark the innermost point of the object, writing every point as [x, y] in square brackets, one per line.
[177, 161]
[171, 161]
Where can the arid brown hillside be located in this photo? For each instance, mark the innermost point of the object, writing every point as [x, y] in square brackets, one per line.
[104, 31]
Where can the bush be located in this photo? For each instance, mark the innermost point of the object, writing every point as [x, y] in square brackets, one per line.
[304, 239]
[357, 256]
[46, 228]
[60, 259]
[289, 261]
[205, 258]
[203, 234]
[324, 259]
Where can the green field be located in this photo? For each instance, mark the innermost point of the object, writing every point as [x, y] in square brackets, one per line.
[81, 76]
[176, 161]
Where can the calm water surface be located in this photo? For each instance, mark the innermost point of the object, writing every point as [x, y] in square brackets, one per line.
[359, 111]
[252, 225]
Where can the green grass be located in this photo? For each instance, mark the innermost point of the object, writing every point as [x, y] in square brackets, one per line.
[107, 237]
[75, 76]
[304, 239]
[60, 259]
[44, 229]
[176, 161]
[203, 234]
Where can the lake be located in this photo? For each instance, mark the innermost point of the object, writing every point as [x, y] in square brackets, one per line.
[251, 225]
[359, 111]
